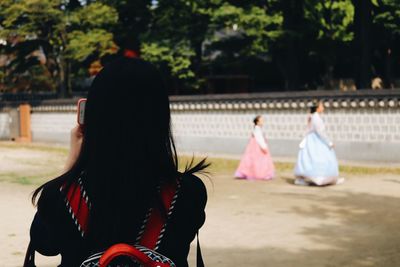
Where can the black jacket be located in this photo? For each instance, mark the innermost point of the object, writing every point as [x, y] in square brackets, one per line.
[53, 231]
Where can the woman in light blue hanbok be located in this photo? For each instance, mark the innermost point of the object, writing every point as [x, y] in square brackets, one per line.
[316, 162]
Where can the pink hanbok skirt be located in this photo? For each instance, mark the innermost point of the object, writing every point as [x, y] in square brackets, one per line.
[255, 163]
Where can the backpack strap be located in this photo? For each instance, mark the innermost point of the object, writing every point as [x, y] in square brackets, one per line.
[199, 256]
[155, 223]
[154, 226]
[78, 205]
[29, 256]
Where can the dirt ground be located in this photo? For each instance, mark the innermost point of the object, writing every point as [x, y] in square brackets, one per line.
[258, 224]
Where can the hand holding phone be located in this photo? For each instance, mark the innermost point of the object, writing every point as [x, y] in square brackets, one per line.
[81, 111]
[76, 136]
[75, 147]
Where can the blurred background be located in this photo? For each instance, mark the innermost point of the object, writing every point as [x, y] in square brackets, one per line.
[224, 62]
[203, 46]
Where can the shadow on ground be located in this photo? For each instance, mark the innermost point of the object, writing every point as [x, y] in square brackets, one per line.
[364, 232]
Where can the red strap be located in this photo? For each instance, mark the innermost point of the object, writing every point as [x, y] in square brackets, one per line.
[130, 251]
[156, 223]
[153, 232]
[78, 206]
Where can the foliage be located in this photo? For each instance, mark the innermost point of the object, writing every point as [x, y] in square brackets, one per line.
[175, 37]
[59, 33]
[93, 16]
[82, 44]
[252, 22]
[192, 39]
[182, 19]
[89, 32]
[389, 17]
[133, 20]
[30, 19]
[176, 58]
[331, 18]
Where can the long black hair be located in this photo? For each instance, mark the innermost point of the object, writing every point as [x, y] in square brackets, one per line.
[127, 151]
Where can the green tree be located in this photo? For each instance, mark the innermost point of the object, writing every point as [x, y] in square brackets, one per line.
[177, 60]
[362, 41]
[175, 38]
[387, 32]
[188, 30]
[68, 32]
[331, 22]
[288, 49]
[256, 24]
[388, 15]
[134, 18]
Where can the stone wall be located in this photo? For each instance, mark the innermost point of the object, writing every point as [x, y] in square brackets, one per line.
[360, 126]
[52, 126]
[365, 126]
[4, 125]
[372, 134]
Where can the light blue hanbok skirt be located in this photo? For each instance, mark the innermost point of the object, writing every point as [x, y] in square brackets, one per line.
[316, 161]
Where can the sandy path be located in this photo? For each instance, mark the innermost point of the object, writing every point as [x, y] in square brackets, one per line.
[17, 214]
[281, 225]
[265, 223]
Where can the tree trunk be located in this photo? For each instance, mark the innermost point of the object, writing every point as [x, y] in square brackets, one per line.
[328, 77]
[68, 83]
[198, 49]
[388, 69]
[293, 15]
[63, 67]
[62, 90]
[362, 42]
[64, 87]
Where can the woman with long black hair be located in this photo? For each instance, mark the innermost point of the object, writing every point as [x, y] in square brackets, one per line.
[120, 158]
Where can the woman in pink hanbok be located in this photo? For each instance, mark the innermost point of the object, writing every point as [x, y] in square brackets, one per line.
[256, 163]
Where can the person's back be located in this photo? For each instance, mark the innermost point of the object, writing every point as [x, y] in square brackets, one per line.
[121, 158]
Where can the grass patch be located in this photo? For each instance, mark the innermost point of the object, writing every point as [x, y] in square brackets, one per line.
[368, 170]
[223, 166]
[35, 147]
[50, 167]
[218, 165]
[22, 179]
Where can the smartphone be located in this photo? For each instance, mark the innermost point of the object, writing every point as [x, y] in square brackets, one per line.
[81, 111]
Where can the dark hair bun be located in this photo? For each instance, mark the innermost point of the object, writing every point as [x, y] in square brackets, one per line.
[314, 106]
